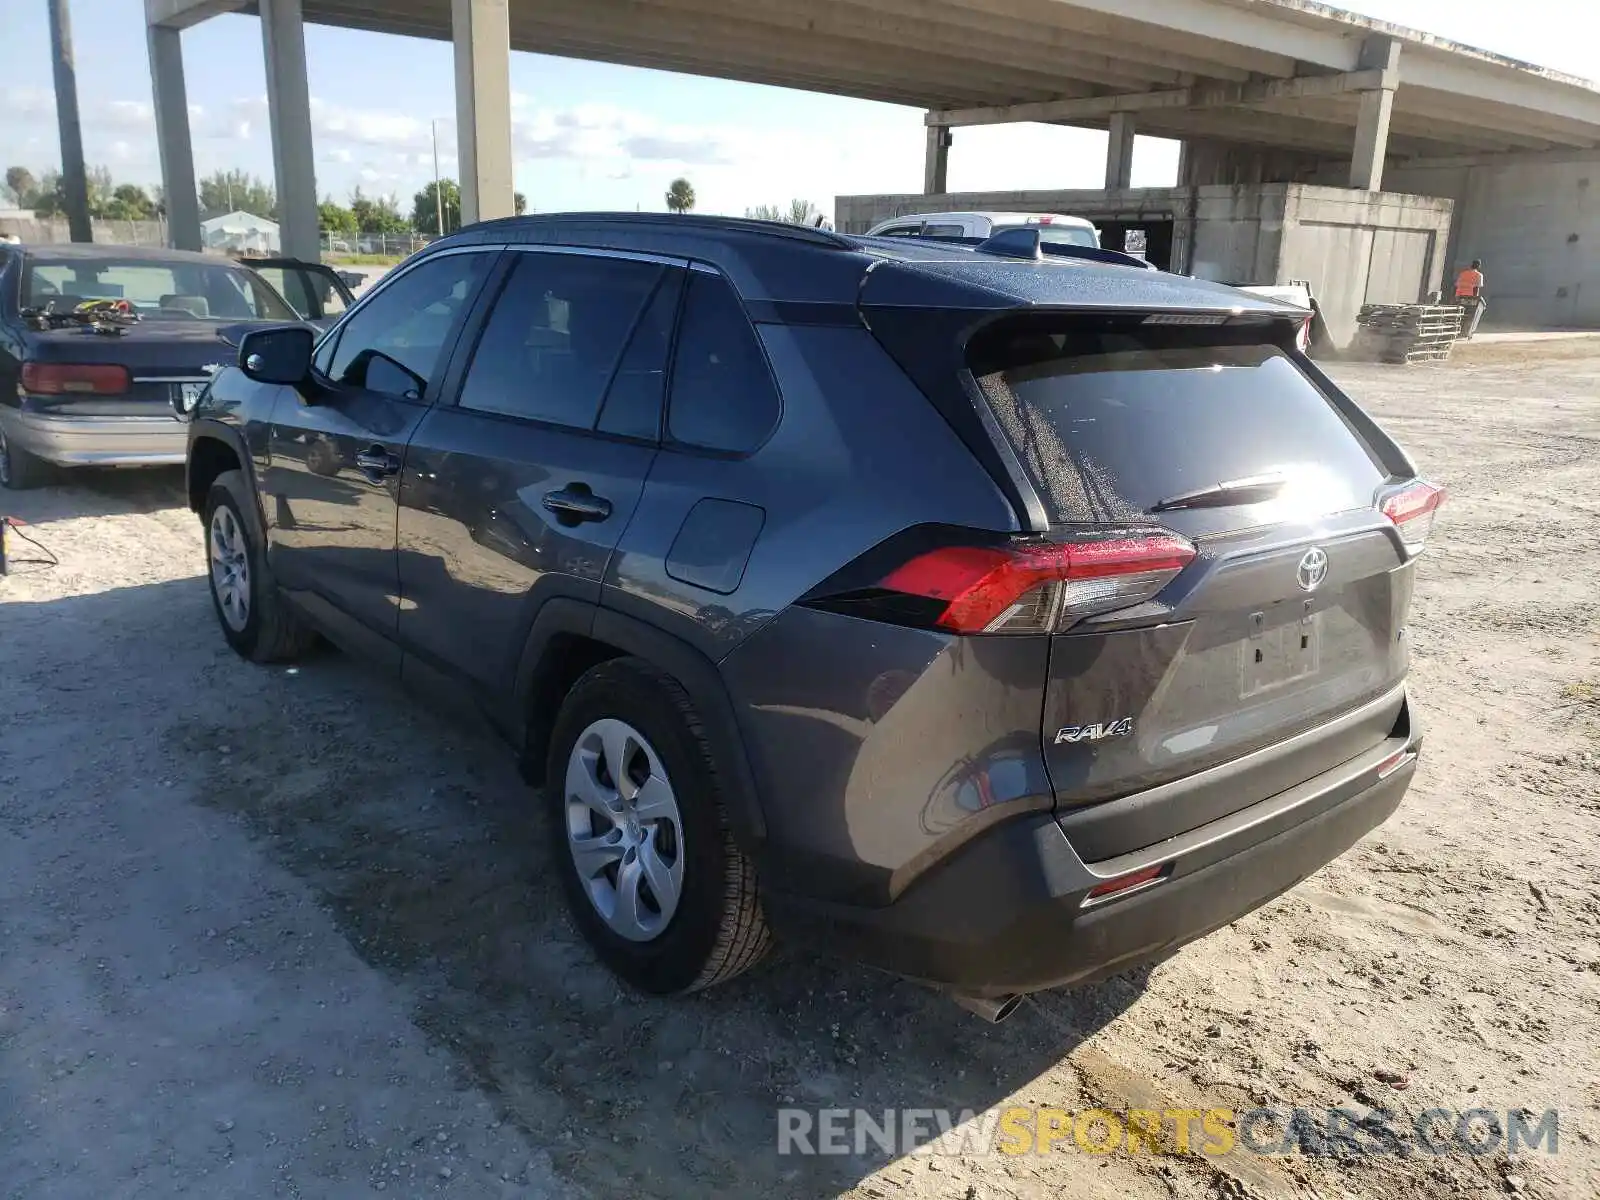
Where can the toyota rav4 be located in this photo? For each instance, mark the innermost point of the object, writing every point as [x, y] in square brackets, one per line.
[1001, 616]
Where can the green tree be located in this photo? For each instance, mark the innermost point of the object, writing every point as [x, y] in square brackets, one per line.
[802, 212]
[519, 203]
[425, 212]
[235, 191]
[47, 198]
[100, 188]
[381, 215]
[129, 202]
[21, 181]
[335, 218]
[798, 212]
[680, 196]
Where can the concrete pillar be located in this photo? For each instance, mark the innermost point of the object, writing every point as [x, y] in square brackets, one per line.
[172, 138]
[936, 167]
[1372, 120]
[283, 37]
[481, 30]
[1119, 152]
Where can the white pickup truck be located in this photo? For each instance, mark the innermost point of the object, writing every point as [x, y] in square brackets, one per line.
[1053, 227]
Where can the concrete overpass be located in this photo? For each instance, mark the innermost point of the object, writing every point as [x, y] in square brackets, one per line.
[1241, 82]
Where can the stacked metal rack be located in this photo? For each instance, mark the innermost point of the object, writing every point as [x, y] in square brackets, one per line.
[1408, 333]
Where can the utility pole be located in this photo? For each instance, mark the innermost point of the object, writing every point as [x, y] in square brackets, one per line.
[74, 181]
[438, 188]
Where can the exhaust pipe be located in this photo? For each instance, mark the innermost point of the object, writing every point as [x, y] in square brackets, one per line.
[992, 1009]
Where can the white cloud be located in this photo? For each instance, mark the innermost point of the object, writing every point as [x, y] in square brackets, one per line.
[612, 151]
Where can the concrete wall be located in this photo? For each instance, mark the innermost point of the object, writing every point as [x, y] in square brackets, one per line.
[1207, 162]
[1535, 221]
[1362, 248]
[1238, 233]
[49, 230]
[1354, 247]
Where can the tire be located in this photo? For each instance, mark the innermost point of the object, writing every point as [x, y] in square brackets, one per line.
[715, 928]
[20, 470]
[263, 628]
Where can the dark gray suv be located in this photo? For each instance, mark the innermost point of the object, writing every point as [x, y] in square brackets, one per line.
[1001, 619]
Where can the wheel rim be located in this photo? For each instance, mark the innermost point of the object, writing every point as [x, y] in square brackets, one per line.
[230, 568]
[624, 829]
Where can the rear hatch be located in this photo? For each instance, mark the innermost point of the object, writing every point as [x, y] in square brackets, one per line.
[159, 357]
[1273, 640]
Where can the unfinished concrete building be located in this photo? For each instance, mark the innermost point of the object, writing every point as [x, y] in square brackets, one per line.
[1367, 158]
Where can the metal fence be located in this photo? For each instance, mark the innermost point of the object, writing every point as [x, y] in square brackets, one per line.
[387, 245]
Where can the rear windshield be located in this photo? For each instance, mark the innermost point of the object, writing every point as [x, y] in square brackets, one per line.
[1065, 235]
[177, 290]
[1114, 420]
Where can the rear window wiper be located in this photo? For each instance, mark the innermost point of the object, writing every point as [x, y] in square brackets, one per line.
[1252, 490]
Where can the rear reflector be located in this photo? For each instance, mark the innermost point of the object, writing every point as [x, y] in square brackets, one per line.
[1040, 586]
[67, 379]
[1394, 762]
[1123, 884]
[1412, 510]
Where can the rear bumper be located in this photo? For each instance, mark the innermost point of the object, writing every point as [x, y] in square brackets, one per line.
[98, 441]
[1006, 912]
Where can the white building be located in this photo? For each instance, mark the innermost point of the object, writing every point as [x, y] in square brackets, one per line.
[240, 231]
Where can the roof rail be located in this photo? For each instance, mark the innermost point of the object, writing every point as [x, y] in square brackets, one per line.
[687, 222]
[1028, 243]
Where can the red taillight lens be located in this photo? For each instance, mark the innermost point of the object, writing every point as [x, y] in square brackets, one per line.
[1042, 586]
[65, 379]
[1412, 509]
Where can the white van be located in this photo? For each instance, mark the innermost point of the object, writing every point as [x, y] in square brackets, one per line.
[1053, 227]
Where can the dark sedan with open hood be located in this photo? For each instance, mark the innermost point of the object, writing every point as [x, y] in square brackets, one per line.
[96, 342]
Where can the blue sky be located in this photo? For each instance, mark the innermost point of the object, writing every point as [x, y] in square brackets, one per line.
[592, 135]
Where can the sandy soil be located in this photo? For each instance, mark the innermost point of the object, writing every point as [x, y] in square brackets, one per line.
[285, 932]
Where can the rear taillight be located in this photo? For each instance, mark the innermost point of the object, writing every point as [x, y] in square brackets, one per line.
[1412, 509]
[1017, 587]
[67, 379]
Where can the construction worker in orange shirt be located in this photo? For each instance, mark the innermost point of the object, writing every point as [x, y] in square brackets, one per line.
[1469, 295]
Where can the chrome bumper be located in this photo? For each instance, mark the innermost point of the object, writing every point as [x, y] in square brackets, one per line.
[154, 441]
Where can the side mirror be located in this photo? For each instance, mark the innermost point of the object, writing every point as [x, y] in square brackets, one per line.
[281, 355]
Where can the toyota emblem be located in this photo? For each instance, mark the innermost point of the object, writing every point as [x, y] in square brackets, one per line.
[1313, 569]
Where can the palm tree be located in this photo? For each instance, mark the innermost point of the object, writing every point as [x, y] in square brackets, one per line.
[680, 196]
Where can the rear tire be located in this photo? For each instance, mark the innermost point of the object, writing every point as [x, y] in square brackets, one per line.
[707, 926]
[20, 470]
[254, 618]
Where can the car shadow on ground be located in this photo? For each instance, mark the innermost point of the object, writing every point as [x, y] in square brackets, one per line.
[420, 840]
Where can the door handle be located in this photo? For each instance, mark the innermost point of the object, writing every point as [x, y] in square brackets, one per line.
[575, 503]
[376, 463]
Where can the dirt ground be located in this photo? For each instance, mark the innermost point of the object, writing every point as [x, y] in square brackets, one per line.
[285, 932]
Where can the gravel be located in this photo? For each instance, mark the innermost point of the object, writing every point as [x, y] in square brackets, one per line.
[289, 932]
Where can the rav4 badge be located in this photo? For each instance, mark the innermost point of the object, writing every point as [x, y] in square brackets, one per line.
[1097, 732]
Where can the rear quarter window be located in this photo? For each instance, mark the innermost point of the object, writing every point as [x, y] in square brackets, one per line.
[723, 397]
[1108, 422]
